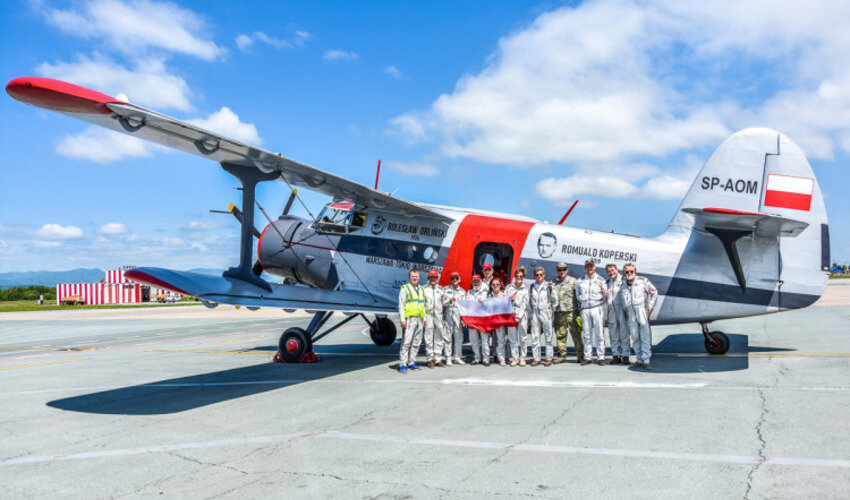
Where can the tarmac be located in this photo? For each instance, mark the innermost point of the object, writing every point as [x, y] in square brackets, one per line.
[185, 402]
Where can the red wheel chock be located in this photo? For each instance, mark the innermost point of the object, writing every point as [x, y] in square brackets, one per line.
[310, 357]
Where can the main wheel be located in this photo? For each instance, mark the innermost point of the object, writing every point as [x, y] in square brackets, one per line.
[382, 331]
[294, 344]
[717, 343]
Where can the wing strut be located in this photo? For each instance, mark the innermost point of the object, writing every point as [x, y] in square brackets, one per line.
[248, 177]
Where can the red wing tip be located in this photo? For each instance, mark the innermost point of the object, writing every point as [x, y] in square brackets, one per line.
[57, 95]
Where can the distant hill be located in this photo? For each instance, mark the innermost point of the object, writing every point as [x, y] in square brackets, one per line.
[50, 278]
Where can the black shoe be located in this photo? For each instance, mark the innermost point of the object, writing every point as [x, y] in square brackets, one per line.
[486, 363]
[474, 362]
[625, 360]
[601, 362]
[584, 362]
[646, 366]
[615, 360]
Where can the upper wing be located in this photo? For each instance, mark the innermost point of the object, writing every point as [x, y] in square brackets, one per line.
[235, 291]
[106, 111]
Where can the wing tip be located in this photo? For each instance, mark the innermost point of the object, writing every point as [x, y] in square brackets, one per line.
[57, 95]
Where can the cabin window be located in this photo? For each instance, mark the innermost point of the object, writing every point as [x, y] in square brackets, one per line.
[340, 217]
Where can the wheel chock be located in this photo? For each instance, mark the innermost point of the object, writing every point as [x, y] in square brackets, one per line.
[310, 357]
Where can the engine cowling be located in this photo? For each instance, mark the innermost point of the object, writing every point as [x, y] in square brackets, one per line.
[290, 248]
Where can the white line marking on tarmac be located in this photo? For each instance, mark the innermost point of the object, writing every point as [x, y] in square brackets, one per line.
[573, 383]
[537, 448]
[545, 384]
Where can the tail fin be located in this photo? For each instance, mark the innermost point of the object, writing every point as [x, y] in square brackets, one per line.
[757, 198]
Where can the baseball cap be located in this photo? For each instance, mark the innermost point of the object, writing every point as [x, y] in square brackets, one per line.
[432, 272]
[476, 277]
[487, 265]
[589, 261]
[455, 273]
[562, 265]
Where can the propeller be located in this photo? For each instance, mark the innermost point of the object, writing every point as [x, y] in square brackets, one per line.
[288, 204]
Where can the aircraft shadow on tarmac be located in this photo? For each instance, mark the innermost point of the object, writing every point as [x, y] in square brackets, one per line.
[194, 391]
[684, 353]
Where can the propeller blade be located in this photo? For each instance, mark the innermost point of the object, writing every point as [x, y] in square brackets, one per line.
[233, 209]
[289, 203]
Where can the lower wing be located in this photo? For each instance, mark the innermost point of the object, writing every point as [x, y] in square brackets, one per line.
[233, 291]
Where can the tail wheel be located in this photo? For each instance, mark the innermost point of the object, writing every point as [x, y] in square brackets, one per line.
[294, 344]
[716, 343]
[382, 331]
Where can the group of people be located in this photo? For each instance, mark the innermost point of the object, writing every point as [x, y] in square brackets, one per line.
[544, 311]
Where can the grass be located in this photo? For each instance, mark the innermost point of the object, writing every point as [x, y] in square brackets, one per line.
[32, 305]
[839, 276]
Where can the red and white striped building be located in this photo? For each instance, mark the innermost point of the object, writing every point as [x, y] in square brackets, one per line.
[115, 289]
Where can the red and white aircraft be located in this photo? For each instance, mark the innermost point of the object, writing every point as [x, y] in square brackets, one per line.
[750, 236]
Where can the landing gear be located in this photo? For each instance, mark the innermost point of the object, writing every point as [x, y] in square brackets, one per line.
[382, 331]
[715, 342]
[295, 344]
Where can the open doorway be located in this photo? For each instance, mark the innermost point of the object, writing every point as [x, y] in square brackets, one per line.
[500, 255]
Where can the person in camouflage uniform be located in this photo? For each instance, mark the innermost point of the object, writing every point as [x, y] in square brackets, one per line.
[566, 314]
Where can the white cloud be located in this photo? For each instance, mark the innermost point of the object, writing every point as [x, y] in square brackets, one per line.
[611, 80]
[149, 83]
[113, 228]
[569, 188]
[666, 187]
[244, 41]
[415, 169]
[58, 232]
[227, 123]
[199, 246]
[299, 38]
[204, 225]
[102, 146]
[136, 26]
[393, 72]
[339, 55]
[170, 241]
[47, 244]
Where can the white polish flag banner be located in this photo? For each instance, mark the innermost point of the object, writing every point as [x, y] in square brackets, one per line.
[786, 191]
[487, 314]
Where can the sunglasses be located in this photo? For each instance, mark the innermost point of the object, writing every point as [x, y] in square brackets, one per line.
[539, 274]
[455, 278]
[629, 272]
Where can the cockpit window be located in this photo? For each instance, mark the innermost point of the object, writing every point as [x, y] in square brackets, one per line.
[340, 217]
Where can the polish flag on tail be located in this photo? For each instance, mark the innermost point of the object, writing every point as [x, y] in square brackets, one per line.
[785, 191]
[487, 314]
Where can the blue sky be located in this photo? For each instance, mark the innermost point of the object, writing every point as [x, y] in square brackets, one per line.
[507, 106]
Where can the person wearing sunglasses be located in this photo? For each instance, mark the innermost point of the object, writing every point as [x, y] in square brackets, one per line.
[411, 310]
[542, 301]
[434, 320]
[518, 335]
[618, 330]
[566, 313]
[478, 340]
[451, 319]
[499, 334]
[638, 296]
[591, 291]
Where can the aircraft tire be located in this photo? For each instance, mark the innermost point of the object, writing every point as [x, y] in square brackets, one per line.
[717, 343]
[382, 331]
[294, 344]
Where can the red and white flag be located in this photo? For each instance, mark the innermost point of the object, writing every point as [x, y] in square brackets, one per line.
[785, 191]
[487, 314]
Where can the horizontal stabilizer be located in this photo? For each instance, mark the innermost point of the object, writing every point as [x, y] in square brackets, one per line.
[765, 225]
[234, 291]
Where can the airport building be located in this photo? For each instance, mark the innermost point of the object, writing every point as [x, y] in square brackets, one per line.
[114, 288]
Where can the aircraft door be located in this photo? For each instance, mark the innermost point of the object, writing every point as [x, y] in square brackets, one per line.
[500, 255]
